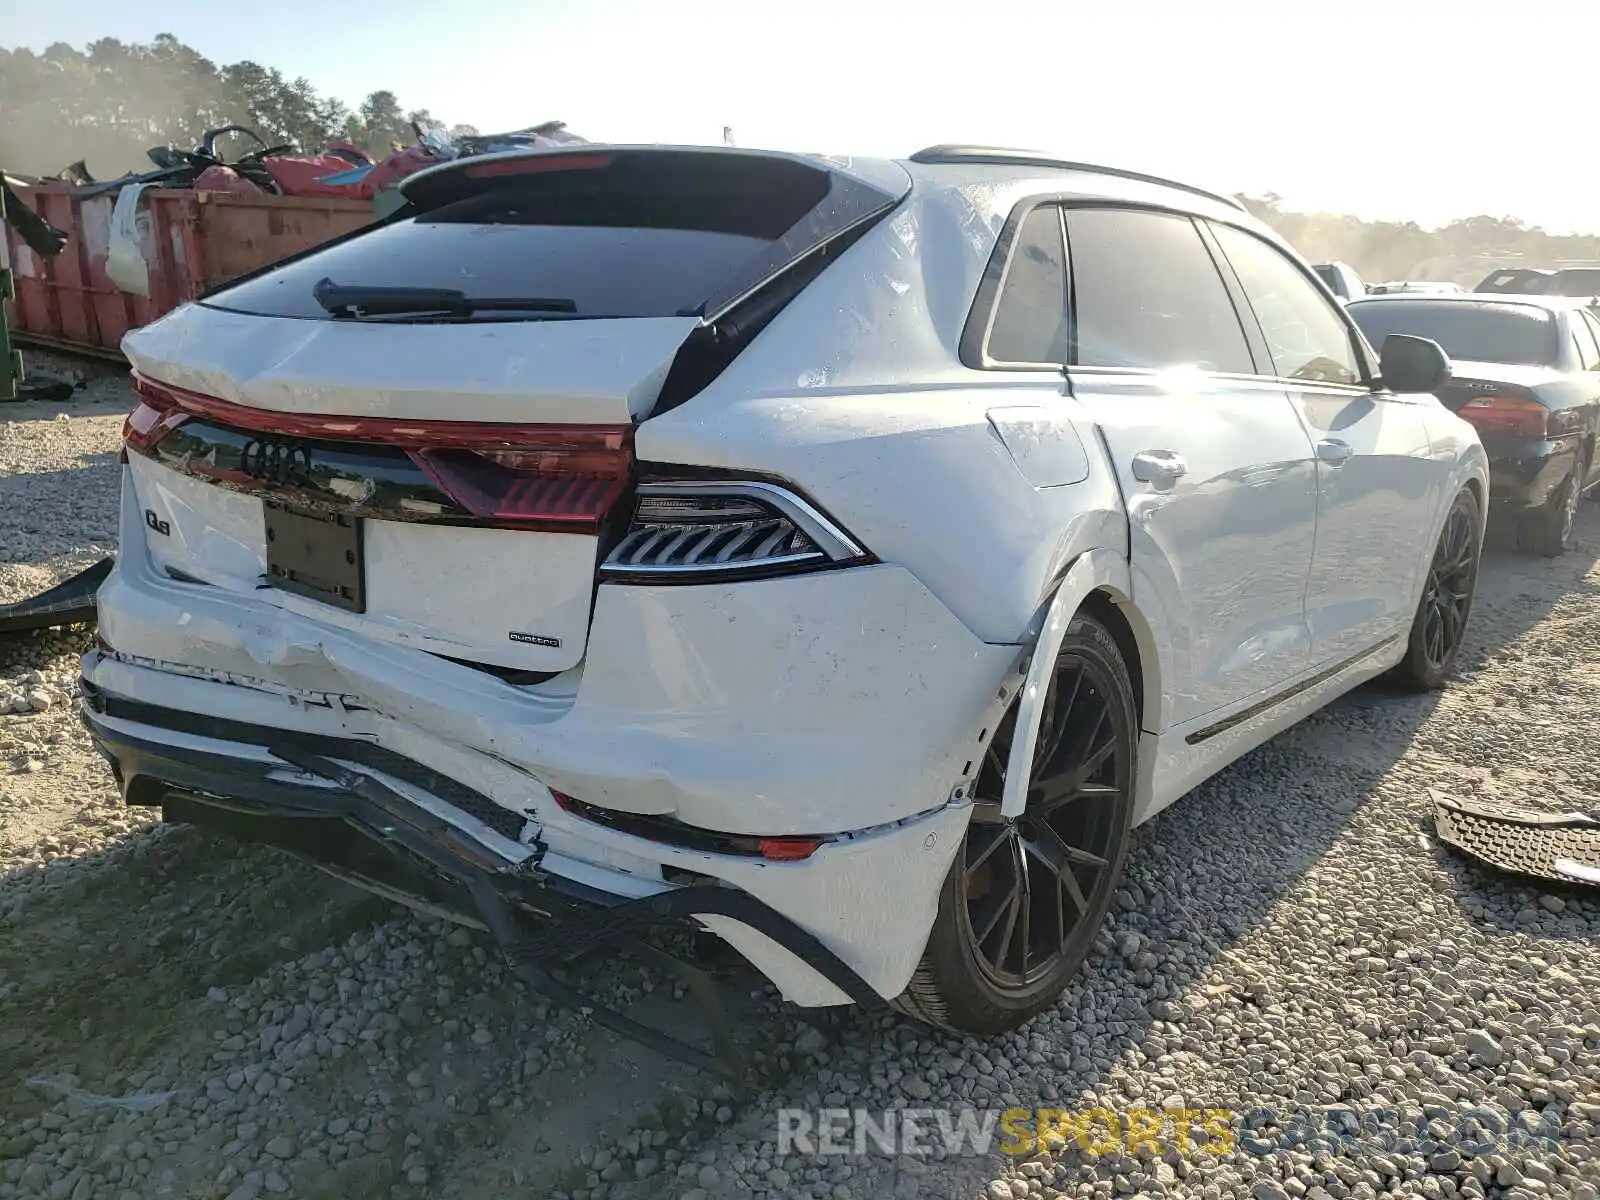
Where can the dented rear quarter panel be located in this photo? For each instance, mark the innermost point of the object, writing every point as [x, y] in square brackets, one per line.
[920, 473]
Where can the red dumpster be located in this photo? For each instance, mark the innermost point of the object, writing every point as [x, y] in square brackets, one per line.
[190, 241]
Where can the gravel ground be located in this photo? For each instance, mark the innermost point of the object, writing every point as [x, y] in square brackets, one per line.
[191, 1018]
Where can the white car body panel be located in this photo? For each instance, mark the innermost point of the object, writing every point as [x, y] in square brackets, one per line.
[854, 702]
[772, 747]
[1219, 555]
[1370, 492]
[564, 372]
[523, 580]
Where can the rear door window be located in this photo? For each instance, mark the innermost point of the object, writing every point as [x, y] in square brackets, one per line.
[1030, 317]
[1306, 334]
[1147, 294]
[1592, 322]
[1588, 348]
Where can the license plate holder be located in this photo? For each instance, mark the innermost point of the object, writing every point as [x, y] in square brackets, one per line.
[315, 555]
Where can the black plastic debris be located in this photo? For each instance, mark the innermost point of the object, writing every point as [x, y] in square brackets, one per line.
[70, 602]
[1553, 847]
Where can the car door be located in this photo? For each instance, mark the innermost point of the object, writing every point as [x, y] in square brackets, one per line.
[1378, 484]
[1589, 345]
[1213, 463]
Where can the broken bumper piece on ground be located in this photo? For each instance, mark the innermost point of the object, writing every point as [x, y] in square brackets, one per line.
[1555, 847]
[70, 602]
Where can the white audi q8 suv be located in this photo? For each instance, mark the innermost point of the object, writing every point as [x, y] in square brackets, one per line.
[839, 556]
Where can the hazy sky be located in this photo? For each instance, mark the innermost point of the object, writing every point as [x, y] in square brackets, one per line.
[1406, 109]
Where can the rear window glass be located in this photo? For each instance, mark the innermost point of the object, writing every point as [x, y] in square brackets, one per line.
[615, 243]
[1575, 283]
[1498, 333]
[1030, 320]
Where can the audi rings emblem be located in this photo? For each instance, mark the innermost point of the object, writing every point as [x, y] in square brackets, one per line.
[273, 461]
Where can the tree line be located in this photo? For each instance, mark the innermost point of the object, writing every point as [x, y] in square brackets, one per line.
[110, 101]
[1462, 252]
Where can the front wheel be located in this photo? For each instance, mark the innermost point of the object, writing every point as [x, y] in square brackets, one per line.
[1024, 897]
[1440, 624]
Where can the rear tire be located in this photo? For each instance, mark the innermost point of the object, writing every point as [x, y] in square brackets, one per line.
[1023, 900]
[1440, 623]
[1551, 531]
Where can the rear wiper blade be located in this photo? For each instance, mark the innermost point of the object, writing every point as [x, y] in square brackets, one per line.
[357, 300]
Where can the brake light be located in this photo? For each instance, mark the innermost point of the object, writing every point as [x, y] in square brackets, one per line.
[155, 416]
[555, 487]
[562, 478]
[1514, 416]
[538, 164]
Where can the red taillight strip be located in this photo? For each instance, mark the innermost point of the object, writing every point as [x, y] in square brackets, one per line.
[669, 832]
[539, 164]
[557, 478]
[389, 431]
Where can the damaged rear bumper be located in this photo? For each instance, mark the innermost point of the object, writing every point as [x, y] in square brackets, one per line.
[362, 827]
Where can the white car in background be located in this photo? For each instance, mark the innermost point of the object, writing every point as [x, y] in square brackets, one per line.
[843, 555]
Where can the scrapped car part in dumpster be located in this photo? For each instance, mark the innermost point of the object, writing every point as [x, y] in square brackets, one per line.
[1558, 847]
[226, 179]
[70, 602]
[38, 235]
[125, 265]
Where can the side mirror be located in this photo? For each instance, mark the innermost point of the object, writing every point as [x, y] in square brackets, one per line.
[1412, 364]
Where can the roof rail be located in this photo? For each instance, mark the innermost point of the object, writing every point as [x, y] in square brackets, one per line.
[1003, 156]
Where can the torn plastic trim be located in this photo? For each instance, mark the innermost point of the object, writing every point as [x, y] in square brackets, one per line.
[580, 920]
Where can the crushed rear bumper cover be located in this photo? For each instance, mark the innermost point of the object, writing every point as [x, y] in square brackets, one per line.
[365, 830]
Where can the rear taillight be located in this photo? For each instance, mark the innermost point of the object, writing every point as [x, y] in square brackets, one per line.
[157, 414]
[692, 531]
[560, 478]
[559, 481]
[1511, 415]
[539, 164]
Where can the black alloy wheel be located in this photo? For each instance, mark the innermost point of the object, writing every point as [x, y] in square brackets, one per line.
[1025, 896]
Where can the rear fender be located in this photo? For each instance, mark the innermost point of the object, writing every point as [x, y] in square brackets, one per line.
[1092, 571]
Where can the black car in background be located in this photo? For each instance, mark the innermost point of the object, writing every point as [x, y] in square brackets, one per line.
[1573, 281]
[1526, 373]
[1539, 281]
[1516, 281]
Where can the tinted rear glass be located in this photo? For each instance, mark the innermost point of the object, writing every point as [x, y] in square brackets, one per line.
[1575, 283]
[1528, 283]
[1499, 333]
[636, 242]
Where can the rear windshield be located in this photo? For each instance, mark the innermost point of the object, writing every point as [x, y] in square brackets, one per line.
[1527, 283]
[1575, 283]
[1497, 333]
[616, 242]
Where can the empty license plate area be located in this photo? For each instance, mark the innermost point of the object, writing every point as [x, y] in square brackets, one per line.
[316, 556]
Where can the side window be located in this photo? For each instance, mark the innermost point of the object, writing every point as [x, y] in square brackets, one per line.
[1146, 293]
[1584, 328]
[1306, 336]
[1030, 317]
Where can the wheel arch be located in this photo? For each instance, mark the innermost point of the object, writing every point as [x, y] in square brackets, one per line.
[1100, 583]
